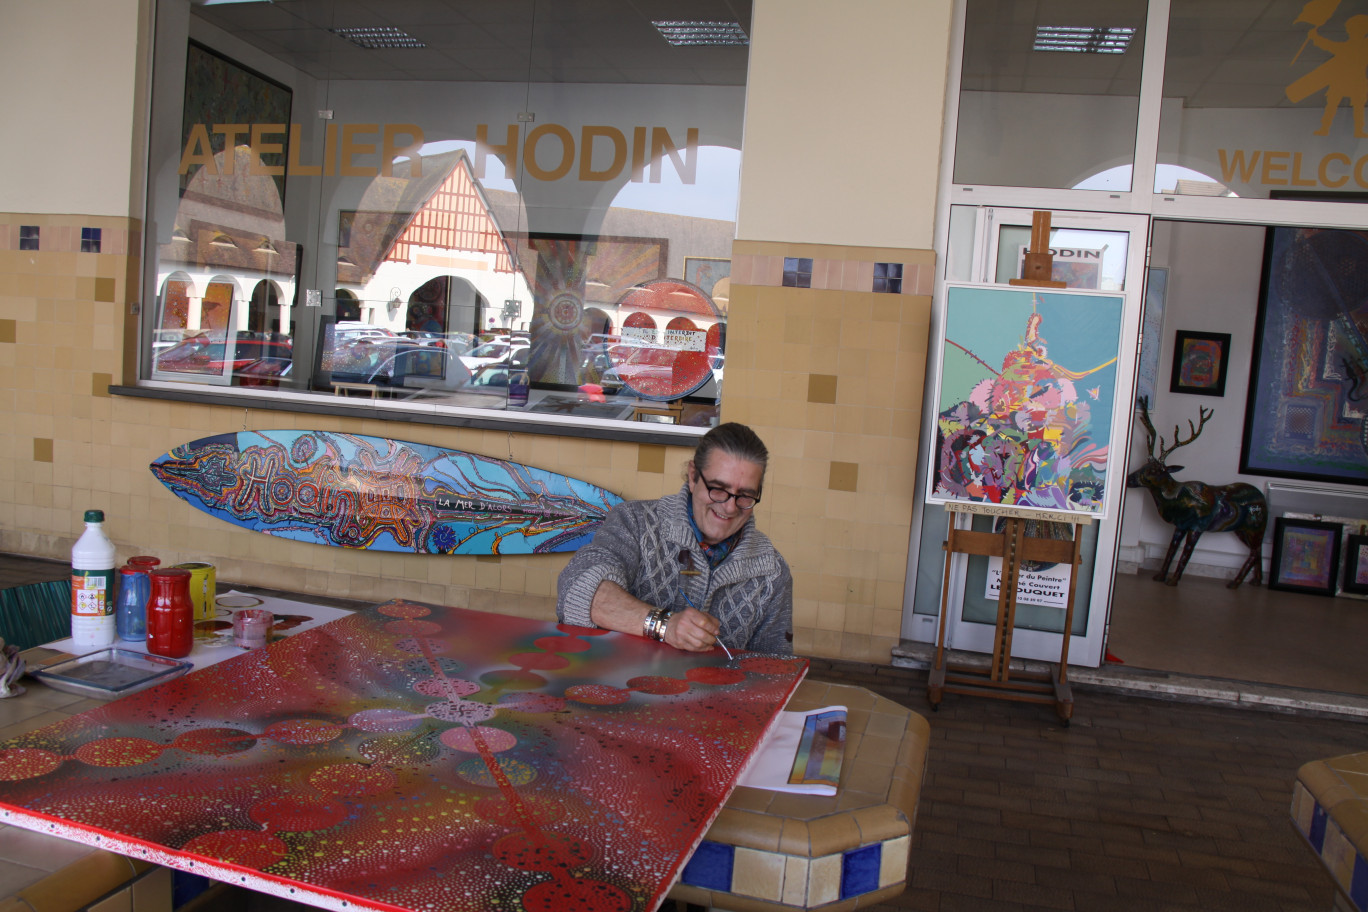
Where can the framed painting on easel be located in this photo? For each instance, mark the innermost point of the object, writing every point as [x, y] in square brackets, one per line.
[1026, 395]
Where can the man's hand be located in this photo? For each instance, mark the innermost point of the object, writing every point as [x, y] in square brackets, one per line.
[616, 609]
[692, 630]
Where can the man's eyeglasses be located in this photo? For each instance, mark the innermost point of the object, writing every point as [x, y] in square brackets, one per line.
[719, 494]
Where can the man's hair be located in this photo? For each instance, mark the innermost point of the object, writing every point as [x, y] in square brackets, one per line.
[735, 439]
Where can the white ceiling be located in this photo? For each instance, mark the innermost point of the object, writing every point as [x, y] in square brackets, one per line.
[609, 41]
[1222, 53]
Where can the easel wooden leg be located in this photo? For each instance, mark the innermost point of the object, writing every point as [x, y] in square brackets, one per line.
[1014, 546]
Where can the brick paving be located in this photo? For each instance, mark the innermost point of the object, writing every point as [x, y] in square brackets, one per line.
[1139, 805]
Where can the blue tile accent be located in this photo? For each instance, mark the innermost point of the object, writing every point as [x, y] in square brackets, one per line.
[1317, 834]
[710, 867]
[1358, 884]
[797, 272]
[860, 870]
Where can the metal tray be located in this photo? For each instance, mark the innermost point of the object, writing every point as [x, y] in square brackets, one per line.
[110, 673]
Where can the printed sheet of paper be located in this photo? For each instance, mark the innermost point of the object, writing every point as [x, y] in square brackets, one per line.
[802, 754]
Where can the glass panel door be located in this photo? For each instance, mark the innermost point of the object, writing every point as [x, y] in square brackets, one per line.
[1103, 252]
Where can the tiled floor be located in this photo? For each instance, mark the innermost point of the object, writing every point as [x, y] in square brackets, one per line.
[1139, 804]
[1252, 633]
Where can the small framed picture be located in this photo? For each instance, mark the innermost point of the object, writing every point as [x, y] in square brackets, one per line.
[1356, 565]
[1199, 363]
[1305, 556]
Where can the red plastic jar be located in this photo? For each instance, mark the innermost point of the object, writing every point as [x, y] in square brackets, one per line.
[170, 614]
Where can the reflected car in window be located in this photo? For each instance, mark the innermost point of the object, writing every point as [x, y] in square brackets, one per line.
[265, 373]
[492, 375]
[419, 368]
[202, 354]
[494, 352]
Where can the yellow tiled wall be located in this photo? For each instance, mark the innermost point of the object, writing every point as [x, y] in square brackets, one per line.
[830, 376]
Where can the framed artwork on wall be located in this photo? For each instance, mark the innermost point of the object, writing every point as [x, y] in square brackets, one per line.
[706, 272]
[1026, 399]
[1305, 556]
[1199, 363]
[1356, 565]
[222, 91]
[1151, 333]
[1306, 415]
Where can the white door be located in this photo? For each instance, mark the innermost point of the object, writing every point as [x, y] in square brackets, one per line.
[1100, 251]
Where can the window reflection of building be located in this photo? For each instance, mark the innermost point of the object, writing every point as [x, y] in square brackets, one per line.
[433, 238]
[227, 269]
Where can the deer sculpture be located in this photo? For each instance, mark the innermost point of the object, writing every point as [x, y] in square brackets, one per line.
[1194, 507]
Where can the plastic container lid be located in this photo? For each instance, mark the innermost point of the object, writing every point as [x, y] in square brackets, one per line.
[94, 515]
[170, 571]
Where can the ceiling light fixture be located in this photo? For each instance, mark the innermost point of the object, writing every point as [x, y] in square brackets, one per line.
[1084, 39]
[699, 33]
[378, 36]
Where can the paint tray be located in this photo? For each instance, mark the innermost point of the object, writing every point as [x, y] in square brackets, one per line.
[110, 673]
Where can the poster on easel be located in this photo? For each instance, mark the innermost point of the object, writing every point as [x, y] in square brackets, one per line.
[1048, 588]
[1026, 398]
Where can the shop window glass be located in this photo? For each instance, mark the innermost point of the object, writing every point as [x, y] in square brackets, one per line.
[28, 237]
[1264, 100]
[1049, 93]
[415, 221]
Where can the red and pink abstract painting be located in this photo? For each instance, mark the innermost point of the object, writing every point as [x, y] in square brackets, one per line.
[415, 757]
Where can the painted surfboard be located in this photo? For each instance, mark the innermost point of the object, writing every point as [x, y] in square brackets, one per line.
[374, 493]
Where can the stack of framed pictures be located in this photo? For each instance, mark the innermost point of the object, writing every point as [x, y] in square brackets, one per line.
[1320, 555]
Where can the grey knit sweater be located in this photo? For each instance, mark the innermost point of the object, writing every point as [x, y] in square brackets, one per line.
[638, 547]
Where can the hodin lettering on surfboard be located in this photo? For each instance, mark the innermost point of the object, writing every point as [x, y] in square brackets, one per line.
[355, 491]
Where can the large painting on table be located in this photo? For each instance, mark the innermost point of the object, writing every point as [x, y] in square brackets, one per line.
[1026, 397]
[1307, 411]
[415, 757]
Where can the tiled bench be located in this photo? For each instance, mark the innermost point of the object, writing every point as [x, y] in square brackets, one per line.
[1330, 809]
[771, 851]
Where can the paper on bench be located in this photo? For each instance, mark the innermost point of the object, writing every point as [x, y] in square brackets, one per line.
[802, 754]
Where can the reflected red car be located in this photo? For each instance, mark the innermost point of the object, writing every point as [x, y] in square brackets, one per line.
[202, 355]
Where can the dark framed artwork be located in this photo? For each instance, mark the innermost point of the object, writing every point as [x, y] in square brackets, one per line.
[1356, 565]
[1199, 363]
[577, 281]
[706, 272]
[1306, 415]
[222, 91]
[1305, 556]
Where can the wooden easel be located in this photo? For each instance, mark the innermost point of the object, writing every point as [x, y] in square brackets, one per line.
[1037, 263]
[1013, 545]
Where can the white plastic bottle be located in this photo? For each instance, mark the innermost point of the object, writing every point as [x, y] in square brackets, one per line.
[92, 586]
